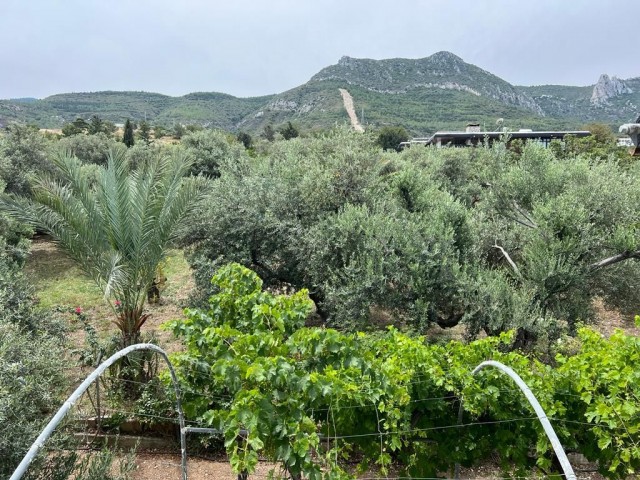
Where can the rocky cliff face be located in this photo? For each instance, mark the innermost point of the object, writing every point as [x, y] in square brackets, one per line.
[426, 94]
[442, 70]
[607, 88]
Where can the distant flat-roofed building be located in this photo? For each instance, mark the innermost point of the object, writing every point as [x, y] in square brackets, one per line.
[472, 136]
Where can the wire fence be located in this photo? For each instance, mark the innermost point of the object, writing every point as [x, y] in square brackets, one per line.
[98, 403]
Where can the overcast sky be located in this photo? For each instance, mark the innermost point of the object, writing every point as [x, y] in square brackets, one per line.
[252, 47]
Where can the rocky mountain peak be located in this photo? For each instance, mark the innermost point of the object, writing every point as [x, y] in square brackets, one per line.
[446, 57]
[442, 70]
[608, 87]
[345, 61]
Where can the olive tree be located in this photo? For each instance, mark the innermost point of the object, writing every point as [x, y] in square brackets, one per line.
[491, 238]
[209, 148]
[24, 152]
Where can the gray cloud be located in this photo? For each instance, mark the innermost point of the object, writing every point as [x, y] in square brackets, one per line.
[252, 47]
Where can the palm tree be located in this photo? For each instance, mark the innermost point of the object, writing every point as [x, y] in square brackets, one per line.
[117, 228]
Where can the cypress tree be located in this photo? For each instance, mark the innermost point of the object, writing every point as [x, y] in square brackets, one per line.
[127, 138]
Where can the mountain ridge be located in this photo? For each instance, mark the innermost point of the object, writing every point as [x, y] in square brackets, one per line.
[435, 92]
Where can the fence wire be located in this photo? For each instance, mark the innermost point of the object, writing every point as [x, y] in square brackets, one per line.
[102, 396]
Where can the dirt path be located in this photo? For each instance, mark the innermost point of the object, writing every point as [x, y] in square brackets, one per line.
[348, 106]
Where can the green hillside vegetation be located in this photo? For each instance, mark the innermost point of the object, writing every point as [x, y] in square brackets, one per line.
[575, 103]
[558, 91]
[207, 109]
[429, 110]
[213, 110]
[312, 106]
[442, 70]
[422, 95]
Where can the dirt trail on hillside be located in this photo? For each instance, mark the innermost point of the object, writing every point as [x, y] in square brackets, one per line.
[348, 106]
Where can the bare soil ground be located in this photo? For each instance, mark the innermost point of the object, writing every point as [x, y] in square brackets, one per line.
[610, 320]
[164, 466]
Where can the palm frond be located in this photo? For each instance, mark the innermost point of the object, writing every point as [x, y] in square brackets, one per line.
[118, 229]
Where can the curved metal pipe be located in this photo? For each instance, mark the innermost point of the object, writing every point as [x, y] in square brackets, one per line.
[542, 417]
[66, 406]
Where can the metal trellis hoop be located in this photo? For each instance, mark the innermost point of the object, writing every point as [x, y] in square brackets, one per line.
[542, 417]
[66, 406]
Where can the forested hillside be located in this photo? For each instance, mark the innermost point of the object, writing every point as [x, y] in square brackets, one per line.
[423, 95]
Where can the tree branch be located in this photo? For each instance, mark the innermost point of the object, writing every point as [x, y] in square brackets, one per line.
[525, 214]
[508, 258]
[620, 257]
[513, 211]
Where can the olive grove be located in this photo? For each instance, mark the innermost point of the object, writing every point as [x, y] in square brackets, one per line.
[491, 238]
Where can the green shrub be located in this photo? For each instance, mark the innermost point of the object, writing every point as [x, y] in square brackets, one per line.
[211, 148]
[391, 399]
[487, 237]
[390, 138]
[32, 379]
[89, 149]
[23, 153]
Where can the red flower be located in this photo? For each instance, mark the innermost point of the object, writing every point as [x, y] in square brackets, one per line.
[78, 310]
[118, 303]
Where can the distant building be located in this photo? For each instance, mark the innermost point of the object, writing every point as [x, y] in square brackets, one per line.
[473, 136]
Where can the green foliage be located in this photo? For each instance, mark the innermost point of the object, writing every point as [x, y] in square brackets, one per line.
[211, 148]
[245, 139]
[23, 154]
[178, 131]
[127, 136]
[606, 380]
[32, 382]
[389, 138]
[601, 134]
[567, 217]
[142, 153]
[144, 132]
[32, 365]
[119, 231]
[98, 125]
[95, 125]
[16, 295]
[385, 258]
[488, 237]
[313, 398]
[77, 127]
[600, 145]
[268, 133]
[159, 131]
[289, 131]
[266, 225]
[88, 148]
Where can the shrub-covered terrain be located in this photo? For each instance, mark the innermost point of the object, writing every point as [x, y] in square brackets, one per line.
[376, 248]
[494, 239]
[313, 398]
